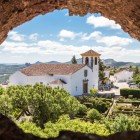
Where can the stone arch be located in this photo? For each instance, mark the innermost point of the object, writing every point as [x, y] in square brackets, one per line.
[15, 12]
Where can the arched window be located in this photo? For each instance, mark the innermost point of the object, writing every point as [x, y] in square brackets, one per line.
[96, 60]
[92, 62]
[86, 61]
[85, 73]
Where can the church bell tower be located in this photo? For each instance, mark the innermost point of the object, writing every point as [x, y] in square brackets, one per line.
[91, 59]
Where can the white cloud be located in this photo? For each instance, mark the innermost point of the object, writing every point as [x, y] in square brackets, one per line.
[114, 41]
[19, 47]
[107, 40]
[102, 22]
[16, 36]
[34, 37]
[65, 34]
[94, 35]
[52, 50]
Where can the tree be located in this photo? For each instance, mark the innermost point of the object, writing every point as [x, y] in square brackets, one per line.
[42, 103]
[73, 60]
[101, 71]
[27, 64]
[136, 78]
[136, 71]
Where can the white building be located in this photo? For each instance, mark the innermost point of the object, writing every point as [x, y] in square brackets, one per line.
[77, 79]
[107, 73]
[123, 76]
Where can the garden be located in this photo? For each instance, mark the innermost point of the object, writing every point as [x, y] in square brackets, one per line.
[45, 111]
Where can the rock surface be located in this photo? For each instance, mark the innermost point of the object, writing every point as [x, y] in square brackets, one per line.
[15, 12]
[9, 131]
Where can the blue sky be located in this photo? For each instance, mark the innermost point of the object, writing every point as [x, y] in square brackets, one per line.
[57, 37]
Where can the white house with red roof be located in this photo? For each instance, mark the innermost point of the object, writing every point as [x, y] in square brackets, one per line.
[77, 79]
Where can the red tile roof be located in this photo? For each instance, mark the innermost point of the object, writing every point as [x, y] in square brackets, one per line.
[57, 82]
[90, 53]
[48, 69]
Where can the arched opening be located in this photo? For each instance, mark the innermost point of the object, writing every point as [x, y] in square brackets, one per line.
[87, 61]
[92, 62]
[25, 11]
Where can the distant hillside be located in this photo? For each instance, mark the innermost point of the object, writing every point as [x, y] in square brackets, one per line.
[9, 68]
[53, 62]
[113, 63]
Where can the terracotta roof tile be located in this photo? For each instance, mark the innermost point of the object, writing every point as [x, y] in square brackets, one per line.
[57, 82]
[48, 69]
[90, 53]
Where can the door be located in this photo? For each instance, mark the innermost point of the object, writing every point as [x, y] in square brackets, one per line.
[85, 87]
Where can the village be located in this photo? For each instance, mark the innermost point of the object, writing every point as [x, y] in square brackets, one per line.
[105, 79]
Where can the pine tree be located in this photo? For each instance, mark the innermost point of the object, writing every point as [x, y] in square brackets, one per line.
[73, 60]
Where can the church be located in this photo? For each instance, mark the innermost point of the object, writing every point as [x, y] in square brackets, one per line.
[77, 79]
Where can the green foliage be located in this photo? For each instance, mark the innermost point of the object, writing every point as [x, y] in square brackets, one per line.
[136, 71]
[122, 123]
[126, 92]
[42, 103]
[136, 78]
[5, 105]
[82, 111]
[93, 91]
[64, 123]
[100, 104]
[30, 127]
[73, 60]
[101, 70]
[2, 91]
[93, 114]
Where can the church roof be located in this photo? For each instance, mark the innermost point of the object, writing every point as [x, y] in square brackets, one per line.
[50, 69]
[58, 82]
[90, 53]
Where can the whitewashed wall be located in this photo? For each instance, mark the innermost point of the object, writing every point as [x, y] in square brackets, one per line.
[95, 75]
[19, 78]
[73, 81]
[123, 76]
[77, 81]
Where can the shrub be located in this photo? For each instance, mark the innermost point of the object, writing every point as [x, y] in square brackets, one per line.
[122, 123]
[101, 105]
[93, 91]
[93, 114]
[1, 90]
[88, 105]
[82, 111]
[127, 92]
[136, 103]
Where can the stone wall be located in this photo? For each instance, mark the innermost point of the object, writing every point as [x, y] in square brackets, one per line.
[15, 12]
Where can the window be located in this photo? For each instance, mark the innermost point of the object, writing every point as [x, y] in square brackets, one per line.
[85, 73]
[96, 60]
